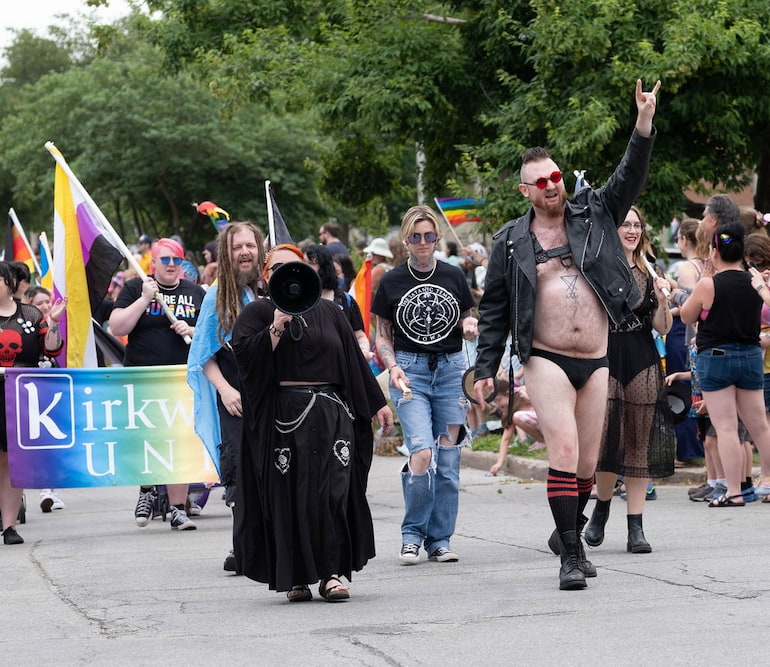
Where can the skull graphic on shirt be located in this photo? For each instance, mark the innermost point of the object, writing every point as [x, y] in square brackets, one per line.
[10, 346]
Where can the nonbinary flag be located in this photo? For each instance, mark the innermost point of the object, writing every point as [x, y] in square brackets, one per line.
[458, 210]
[17, 248]
[46, 262]
[86, 256]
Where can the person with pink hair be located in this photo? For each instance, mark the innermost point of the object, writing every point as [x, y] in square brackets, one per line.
[155, 341]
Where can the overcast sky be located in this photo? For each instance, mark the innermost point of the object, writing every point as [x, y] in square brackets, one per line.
[37, 15]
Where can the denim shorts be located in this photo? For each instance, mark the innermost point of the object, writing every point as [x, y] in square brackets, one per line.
[437, 397]
[733, 364]
[767, 392]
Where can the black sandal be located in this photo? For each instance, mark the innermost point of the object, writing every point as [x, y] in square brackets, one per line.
[335, 593]
[299, 594]
[727, 501]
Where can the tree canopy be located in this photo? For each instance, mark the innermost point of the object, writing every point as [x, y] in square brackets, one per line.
[332, 100]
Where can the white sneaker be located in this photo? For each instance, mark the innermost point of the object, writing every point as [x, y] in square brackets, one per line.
[46, 500]
[57, 502]
[195, 509]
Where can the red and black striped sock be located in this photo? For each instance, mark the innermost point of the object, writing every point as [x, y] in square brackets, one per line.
[562, 491]
[584, 487]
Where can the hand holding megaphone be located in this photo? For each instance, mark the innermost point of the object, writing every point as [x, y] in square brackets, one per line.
[280, 322]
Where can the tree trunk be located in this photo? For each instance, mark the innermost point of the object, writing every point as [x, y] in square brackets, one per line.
[171, 203]
[762, 195]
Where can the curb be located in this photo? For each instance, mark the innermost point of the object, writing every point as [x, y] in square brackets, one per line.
[537, 469]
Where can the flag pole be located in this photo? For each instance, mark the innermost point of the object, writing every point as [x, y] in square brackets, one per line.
[114, 238]
[20, 229]
[270, 216]
[451, 229]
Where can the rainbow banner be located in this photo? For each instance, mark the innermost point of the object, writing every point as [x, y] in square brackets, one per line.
[458, 210]
[86, 427]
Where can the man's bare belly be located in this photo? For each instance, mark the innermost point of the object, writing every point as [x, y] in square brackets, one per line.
[569, 318]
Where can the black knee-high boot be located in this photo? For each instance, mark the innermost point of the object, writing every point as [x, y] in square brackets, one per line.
[594, 530]
[637, 543]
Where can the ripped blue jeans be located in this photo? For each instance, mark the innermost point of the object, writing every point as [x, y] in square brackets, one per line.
[431, 499]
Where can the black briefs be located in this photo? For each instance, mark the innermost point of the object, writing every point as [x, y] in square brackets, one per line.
[576, 369]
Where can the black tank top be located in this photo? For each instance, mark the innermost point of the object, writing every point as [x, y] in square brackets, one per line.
[735, 314]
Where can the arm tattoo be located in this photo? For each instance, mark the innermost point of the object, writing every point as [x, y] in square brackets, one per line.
[385, 342]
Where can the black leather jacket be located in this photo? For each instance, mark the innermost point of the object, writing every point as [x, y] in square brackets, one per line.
[592, 218]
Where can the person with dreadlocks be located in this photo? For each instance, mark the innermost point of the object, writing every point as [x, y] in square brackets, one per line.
[309, 396]
[211, 369]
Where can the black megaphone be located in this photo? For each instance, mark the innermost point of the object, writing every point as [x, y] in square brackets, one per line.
[295, 288]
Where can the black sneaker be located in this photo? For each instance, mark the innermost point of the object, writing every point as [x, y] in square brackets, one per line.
[143, 511]
[180, 520]
[230, 562]
[703, 494]
[443, 555]
[410, 554]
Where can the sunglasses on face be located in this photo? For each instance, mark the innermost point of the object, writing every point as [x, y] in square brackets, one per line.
[176, 261]
[429, 237]
[542, 182]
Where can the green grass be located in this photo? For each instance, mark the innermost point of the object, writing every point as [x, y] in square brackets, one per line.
[491, 443]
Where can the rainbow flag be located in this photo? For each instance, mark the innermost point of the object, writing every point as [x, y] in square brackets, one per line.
[17, 248]
[361, 291]
[46, 263]
[86, 257]
[458, 210]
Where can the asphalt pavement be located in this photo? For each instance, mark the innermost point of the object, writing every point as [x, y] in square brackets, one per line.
[89, 587]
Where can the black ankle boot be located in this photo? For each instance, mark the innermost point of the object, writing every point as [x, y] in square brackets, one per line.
[10, 536]
[555, 545]
[589, 569]
[637, 544]
[594, 531]
[571, 577]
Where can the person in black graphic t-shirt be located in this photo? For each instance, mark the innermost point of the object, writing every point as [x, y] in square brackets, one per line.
[423, 311]
[154, 341]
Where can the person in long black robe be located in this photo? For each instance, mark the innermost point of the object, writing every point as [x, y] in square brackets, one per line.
[283, 528]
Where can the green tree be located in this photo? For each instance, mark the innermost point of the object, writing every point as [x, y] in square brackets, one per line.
[571, 89]
[381, 77]
[147, 146]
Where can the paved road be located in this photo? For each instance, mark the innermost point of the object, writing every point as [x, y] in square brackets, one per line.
[88, 587]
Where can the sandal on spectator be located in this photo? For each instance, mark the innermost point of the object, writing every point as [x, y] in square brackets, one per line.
[727, 501]
[299, 594]
[332, 590]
